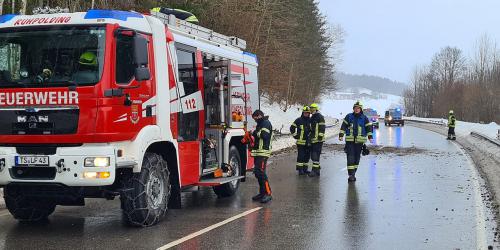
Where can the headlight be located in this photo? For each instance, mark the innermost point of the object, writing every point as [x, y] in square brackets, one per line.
[97, 162]
[390, 118]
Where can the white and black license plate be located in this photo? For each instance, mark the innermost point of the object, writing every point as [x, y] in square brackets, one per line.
[35, 161]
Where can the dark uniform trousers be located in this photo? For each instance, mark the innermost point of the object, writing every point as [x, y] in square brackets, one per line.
[303, 156]
[451, 131]
[353, 151]
[260, 173]
[315, 154]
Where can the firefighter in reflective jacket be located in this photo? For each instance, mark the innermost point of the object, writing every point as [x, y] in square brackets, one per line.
[451, 125]
[261, 151]
[317, 138]
[356, 127]
[300, 130]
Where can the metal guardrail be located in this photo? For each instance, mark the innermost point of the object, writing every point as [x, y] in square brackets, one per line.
[428, 122]
[473, 133]
[484, 137]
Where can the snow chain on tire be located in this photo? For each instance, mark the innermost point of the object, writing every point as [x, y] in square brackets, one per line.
[145, 201]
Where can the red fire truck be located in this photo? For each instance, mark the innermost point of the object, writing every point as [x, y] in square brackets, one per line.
[105, 104]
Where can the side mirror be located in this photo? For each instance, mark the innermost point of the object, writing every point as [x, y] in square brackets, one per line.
[142, 74]
[141, 58]
[140, 51]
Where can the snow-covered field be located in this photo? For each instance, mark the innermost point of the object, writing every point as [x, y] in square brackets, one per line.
[491, 130]
[339, 108]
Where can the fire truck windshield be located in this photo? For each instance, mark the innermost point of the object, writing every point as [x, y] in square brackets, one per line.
[51, 56]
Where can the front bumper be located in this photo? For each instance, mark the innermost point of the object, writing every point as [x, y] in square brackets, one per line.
[70, 173]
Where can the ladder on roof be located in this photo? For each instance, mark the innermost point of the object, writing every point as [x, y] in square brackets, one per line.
[198, 31]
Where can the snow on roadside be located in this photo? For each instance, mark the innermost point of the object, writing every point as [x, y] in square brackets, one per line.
[281, 121]
[491, 130]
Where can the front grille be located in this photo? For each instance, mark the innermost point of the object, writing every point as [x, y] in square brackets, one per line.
[36, 150]
[39, 121]
[33, 173]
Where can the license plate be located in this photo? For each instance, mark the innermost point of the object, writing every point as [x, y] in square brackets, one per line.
[42, 161]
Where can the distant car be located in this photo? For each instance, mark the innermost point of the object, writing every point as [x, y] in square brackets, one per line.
[372, 116]
[394, 116]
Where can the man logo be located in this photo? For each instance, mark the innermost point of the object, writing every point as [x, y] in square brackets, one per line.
[32, 118]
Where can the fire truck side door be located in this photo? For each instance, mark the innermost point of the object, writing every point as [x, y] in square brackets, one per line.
[189, 127]
[134, 107]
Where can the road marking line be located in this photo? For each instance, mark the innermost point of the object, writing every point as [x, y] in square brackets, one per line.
[207, 229]
[481, 241]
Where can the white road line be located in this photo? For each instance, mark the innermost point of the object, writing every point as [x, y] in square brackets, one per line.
[481, 241]
[207, 229]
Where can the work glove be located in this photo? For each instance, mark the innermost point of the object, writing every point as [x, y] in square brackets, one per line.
[364, 150]
[370, 138]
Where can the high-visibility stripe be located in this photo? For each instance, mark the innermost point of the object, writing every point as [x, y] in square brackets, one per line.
[293, 124]
[316, 131]
[351, 167]
[265, 130]
[368, 124]
[268, 188]
[346, 122]
[301, 132]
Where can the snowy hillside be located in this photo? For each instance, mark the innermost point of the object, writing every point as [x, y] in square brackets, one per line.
[338, 108]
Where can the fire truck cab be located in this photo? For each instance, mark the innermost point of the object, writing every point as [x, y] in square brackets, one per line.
[105, 104]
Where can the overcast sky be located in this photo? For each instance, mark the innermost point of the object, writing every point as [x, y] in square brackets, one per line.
[389, 37]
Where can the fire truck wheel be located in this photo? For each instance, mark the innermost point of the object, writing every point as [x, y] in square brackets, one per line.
[228, 189]
[145, 200]
[27, 209]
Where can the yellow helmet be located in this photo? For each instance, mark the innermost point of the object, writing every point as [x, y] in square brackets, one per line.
[451, 112]
[314, 106]
[88, 58]
[306, 109]
[358, 104]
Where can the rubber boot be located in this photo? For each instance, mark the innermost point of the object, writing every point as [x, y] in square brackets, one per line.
[266, 198]
[351, 178]
[257, 197]
[315, 172]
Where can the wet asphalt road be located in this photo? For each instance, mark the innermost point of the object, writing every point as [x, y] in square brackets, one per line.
[403, 199]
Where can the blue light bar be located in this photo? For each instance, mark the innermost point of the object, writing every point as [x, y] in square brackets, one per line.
[111, 14]
[7, 17]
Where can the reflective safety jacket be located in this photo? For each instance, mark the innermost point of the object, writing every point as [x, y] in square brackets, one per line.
[263, 135]
[451, 121]
[317, 128]
[301, 129]
[356, 128]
